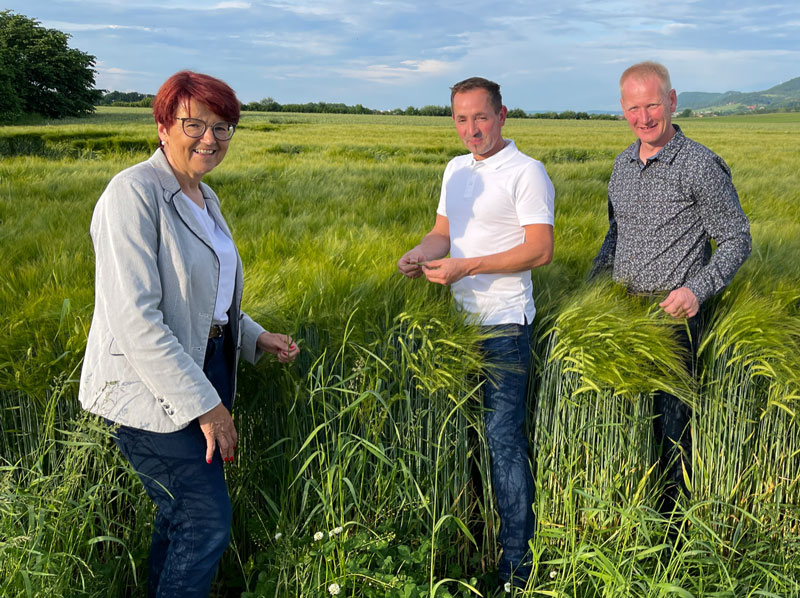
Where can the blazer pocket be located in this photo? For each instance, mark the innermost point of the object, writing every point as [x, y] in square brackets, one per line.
[114, 350]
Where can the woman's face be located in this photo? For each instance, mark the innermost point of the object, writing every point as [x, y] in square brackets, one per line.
[191, 158]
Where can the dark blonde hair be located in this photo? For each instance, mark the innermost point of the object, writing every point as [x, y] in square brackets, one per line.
[492, 88]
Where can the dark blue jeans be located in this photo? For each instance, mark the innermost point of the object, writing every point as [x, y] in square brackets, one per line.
[193, 521]
[504, 397]
[671, 426]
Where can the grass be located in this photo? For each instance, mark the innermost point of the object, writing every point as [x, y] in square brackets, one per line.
[376, 429]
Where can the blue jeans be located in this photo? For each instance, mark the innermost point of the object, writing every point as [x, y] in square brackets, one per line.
[504, 396]
[193, 521]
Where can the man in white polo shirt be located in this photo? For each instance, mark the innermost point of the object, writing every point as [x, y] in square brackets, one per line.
[495, 219]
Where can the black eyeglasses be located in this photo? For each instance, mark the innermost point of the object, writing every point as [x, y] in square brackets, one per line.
[195, 128]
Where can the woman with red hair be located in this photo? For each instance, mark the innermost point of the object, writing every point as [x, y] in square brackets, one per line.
[168, 330]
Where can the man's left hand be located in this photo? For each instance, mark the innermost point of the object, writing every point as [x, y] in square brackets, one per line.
[445, 271]
[681, 303]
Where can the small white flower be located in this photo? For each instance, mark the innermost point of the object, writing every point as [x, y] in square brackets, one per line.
[335, 531]
[553, 574]
[507, 587]
[318, 536]
[278, 535]
[334, 589]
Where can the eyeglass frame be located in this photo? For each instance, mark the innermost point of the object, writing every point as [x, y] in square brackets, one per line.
[231, 127]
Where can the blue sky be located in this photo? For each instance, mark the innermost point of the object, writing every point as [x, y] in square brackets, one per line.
[564, 55]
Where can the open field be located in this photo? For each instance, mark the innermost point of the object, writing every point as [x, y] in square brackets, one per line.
[376, 429]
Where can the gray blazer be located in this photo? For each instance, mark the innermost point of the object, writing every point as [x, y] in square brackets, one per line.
[156, 282]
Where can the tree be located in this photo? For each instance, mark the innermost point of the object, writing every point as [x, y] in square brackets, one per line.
[40, 73]
[10, 103]
[432, 110]
[516, 113]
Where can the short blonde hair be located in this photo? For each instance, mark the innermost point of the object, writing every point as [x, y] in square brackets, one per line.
[643, 70]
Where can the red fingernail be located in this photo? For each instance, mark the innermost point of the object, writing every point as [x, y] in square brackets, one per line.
[208, 461]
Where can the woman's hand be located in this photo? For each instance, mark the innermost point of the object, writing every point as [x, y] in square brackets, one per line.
[280, 345]
[217, 426]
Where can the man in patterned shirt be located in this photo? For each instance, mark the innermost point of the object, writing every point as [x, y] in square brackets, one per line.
[668, 197]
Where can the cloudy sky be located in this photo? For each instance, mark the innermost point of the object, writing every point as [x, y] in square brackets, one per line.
[558, 55]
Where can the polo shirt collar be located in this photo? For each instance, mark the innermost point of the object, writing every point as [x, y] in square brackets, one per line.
[496, 161]
[666, 153]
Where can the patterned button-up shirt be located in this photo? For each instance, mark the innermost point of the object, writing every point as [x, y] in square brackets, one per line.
[663, 215]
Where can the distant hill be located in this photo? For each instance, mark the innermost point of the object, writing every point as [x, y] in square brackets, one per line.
[785, 96]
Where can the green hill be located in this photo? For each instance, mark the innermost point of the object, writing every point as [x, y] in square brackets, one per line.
[785, 96]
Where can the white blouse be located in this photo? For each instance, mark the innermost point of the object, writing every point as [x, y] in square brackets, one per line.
[226, 254]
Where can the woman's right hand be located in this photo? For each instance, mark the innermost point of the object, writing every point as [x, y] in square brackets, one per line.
[217, 426]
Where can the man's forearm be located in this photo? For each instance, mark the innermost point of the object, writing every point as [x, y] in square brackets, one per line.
[434, 245]
[537, 250]
[724, 264]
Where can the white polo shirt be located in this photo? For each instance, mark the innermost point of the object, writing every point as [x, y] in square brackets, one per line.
[487, 203]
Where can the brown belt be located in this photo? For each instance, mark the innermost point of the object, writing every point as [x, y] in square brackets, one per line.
[216, 331]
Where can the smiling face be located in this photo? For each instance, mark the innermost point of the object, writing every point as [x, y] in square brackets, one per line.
[190, 158]
[648, 110]
[477, 122]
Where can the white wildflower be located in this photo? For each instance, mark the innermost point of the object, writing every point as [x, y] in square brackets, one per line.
[278, 535]
[553, 574]
[335, 531]
[334, 589]
[507, 587]
[318, 536]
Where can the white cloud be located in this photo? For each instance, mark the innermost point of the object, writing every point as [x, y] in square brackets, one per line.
[301, 43]
[409, 69]
[673, 28]
[303, 9]
[113, 70]
[231, 5]
[62, 25]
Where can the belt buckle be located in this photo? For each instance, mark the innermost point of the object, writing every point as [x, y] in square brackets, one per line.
[215, 332]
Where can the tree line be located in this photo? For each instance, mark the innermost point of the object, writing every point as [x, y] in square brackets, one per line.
[133, 99]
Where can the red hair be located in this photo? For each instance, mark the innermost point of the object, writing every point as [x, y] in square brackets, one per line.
[183, 85]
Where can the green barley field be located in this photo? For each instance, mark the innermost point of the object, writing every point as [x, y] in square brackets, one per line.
[362, 468]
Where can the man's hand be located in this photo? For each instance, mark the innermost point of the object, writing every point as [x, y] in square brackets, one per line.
[681, 303]
[445, 271]
[409, 264]
[217, 426]
[280, 345]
